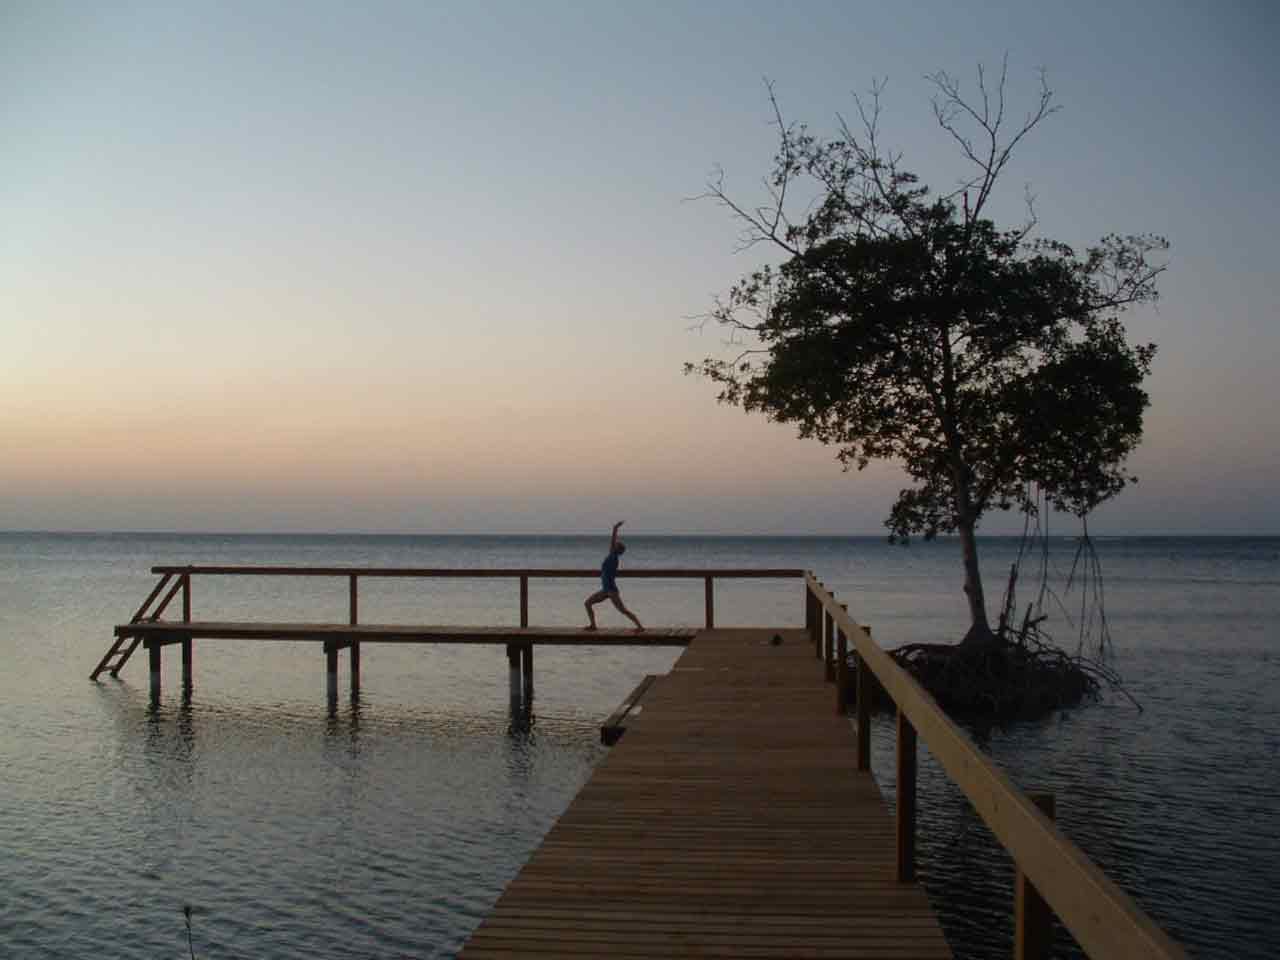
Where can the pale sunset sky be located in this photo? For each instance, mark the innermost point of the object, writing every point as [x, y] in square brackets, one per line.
[431, 267]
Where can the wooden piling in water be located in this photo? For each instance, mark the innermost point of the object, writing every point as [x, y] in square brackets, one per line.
[1032, 918]
[331, 670]
[153, 649]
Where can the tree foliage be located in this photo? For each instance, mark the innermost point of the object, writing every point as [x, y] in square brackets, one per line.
[904, 324]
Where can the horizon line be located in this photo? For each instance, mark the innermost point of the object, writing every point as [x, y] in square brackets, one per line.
[595, 533]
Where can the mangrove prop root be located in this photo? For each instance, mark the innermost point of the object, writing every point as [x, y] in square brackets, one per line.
[1022, 676]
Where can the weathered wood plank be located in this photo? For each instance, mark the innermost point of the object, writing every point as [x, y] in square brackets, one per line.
[729, 822]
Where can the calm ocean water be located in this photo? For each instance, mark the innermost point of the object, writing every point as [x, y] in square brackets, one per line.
[390, 828]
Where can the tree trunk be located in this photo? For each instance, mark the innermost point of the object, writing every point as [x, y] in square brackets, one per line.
[980, 629]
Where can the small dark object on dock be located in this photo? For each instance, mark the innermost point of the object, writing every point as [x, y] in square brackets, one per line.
[777, 640]
[611, 730]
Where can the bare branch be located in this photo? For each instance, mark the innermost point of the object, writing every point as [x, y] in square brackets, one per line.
[949, 106]
[1029, 199]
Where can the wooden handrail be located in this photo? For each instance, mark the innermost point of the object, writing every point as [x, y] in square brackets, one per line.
[168, 597]
[155, 592]
[491, 573]
[522, 574]
[1104, 919]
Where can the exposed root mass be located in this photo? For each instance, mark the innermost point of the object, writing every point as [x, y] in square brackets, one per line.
[1001, 682]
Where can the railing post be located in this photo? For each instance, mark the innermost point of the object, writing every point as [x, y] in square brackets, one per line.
[524, 600]
[808, 610]
[710, 602]
[906, 818]
[354, 649]
[815, 630]
[842, 672]
[817, 627]
[864, 695]
[186, 640]
[1033, 920]
[828, 648]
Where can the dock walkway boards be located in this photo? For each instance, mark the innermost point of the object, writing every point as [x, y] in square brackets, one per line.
[729, 821]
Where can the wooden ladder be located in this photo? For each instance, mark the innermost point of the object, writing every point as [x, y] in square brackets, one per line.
[122, 648]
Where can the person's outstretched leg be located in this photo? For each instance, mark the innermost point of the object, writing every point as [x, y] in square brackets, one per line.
[622, 608]
[590, 603]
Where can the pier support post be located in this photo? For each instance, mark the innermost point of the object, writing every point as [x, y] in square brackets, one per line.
[513, 668]
[906, 813]
[353, 609]
[186, 641]
[520, 668]
[524, 600]
[153, 648]
[1033, 920]
[710, 601]
[331, 672]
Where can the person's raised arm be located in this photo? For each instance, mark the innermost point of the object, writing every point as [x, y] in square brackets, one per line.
[613, 539]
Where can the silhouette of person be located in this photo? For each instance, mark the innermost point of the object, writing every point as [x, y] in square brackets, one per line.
[609, 583]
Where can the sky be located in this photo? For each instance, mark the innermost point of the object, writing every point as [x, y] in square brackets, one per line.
[435, 267]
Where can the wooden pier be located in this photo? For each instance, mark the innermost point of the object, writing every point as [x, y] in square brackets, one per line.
[730, 821]
[738, 816]
[148, 628]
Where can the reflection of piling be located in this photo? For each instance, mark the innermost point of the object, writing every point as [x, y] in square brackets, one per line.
[331, 648]
[520, 676]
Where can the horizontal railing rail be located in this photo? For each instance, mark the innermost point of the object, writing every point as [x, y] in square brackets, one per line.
[495, 573]
[522, 574]
[519, 643]
[1105, 920]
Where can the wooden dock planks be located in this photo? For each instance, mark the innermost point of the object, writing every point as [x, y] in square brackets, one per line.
[729, 822]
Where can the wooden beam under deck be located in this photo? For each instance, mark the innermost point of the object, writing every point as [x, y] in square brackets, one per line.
[341, 634]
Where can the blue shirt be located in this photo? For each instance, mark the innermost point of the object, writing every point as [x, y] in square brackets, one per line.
[608, 572]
